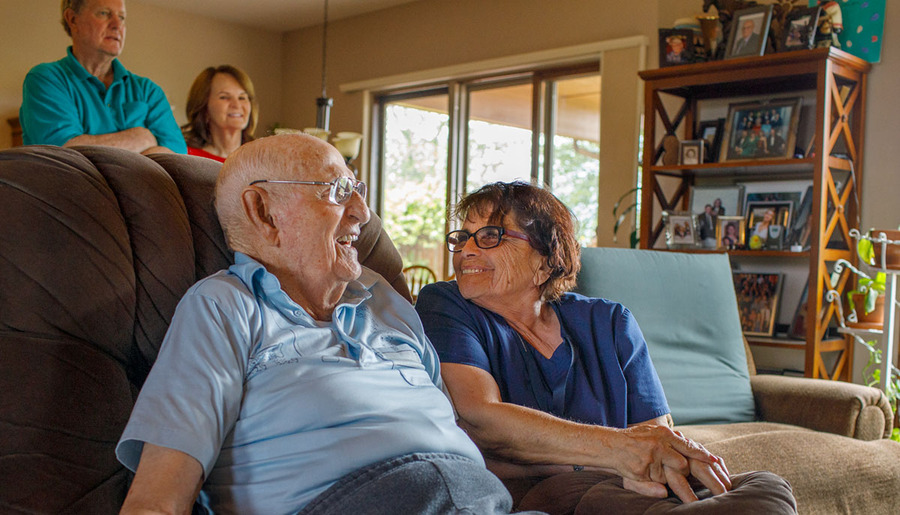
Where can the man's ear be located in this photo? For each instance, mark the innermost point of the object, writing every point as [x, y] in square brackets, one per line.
[69, 17]
[256, 204]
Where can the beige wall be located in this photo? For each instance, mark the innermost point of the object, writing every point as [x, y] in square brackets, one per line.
[436, 33]
[169, 47]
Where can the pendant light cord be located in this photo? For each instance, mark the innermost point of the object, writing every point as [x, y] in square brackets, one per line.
[324, 47]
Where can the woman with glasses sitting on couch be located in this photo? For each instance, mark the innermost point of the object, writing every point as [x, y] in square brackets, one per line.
[556, 389]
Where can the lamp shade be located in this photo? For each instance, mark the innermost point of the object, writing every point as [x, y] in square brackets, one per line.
[347, 144]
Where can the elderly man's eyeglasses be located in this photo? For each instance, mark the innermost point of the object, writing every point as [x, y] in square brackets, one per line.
[487, 237]
[342, 188]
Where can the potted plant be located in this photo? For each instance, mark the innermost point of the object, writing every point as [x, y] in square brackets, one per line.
[622, 215]
[869, 295]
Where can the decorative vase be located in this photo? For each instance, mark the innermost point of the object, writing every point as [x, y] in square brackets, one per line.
[872, 320]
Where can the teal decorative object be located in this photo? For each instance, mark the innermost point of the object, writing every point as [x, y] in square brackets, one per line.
[863, 27]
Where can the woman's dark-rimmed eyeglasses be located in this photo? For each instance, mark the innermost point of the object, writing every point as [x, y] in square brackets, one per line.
[487, 237]
[341, 190]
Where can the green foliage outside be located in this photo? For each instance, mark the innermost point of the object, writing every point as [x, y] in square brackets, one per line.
[415, 170]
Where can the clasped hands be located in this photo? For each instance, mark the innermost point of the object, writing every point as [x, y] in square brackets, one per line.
[655, 456]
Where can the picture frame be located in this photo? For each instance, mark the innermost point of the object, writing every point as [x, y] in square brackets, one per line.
[799, 31]
[749, 32]
[798, 237]
[730, 233]
[761, 130]
[691, 152]
[720, 201]
[711, 131]
[797, 329]
[758, 295]
[681, 229]
[724, 200]
[766, 232]
[676, 46]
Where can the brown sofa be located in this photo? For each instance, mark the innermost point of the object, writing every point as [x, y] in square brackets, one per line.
[97, 245]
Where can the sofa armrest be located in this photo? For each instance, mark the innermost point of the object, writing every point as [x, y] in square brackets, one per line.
[847, 409]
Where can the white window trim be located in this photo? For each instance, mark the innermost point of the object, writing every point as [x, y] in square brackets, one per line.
[509, 64]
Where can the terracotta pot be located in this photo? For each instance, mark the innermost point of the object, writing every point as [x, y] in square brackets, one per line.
[873, 320]
[892, 255]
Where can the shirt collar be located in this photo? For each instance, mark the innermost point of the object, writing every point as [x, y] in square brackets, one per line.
[266, 286]
[119, 71]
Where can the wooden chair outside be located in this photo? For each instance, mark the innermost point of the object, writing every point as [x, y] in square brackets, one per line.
[418, 276]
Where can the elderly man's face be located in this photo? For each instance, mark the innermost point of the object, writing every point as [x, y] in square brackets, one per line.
[315, 234]
[99, 27]
[747, 29]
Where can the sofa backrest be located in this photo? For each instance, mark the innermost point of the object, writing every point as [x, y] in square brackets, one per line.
[687, 310]
[97, 246]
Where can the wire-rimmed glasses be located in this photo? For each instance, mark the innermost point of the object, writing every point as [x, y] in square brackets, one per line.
[341, 190]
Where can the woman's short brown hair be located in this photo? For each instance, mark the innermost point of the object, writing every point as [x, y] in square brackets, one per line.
[549, 224]
[196, 131]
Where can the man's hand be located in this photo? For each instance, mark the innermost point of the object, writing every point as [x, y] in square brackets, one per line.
[652, 456]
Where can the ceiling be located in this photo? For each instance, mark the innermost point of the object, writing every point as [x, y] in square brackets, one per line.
[277, 15]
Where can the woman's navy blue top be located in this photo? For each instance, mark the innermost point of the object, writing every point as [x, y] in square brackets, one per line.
[601, 373]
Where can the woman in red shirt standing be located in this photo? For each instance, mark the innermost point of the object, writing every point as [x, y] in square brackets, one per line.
[222, 112]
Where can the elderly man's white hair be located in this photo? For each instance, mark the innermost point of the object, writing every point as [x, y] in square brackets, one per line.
[285, 156]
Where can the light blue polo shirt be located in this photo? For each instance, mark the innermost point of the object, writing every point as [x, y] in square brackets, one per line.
[277, 406]
[61, 100]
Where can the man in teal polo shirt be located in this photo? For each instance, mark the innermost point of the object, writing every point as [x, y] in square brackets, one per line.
[88, 97]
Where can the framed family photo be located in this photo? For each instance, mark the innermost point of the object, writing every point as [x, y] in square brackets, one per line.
[681, 229]
[799, 30]
[749, 31]
[724, 200]
[676, 46]
[757, 295]
[761, 130]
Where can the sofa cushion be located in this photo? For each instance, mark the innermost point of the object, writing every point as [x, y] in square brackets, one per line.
[829, 473]
[686, 307]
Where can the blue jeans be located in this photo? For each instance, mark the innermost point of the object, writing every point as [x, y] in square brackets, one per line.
[420, 483]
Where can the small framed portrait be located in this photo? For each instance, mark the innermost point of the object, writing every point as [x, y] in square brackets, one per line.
[767, 224]
[757, 296]
[730, 232]
[749, 31]
[799, 31]
[710, 131]
[681, 229]
[761, 130]
[691, 152]
[676, 46]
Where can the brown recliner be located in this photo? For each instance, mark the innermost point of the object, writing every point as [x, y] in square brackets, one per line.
[97, 246]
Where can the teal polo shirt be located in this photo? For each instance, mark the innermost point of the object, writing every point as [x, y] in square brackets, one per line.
[61, 100]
